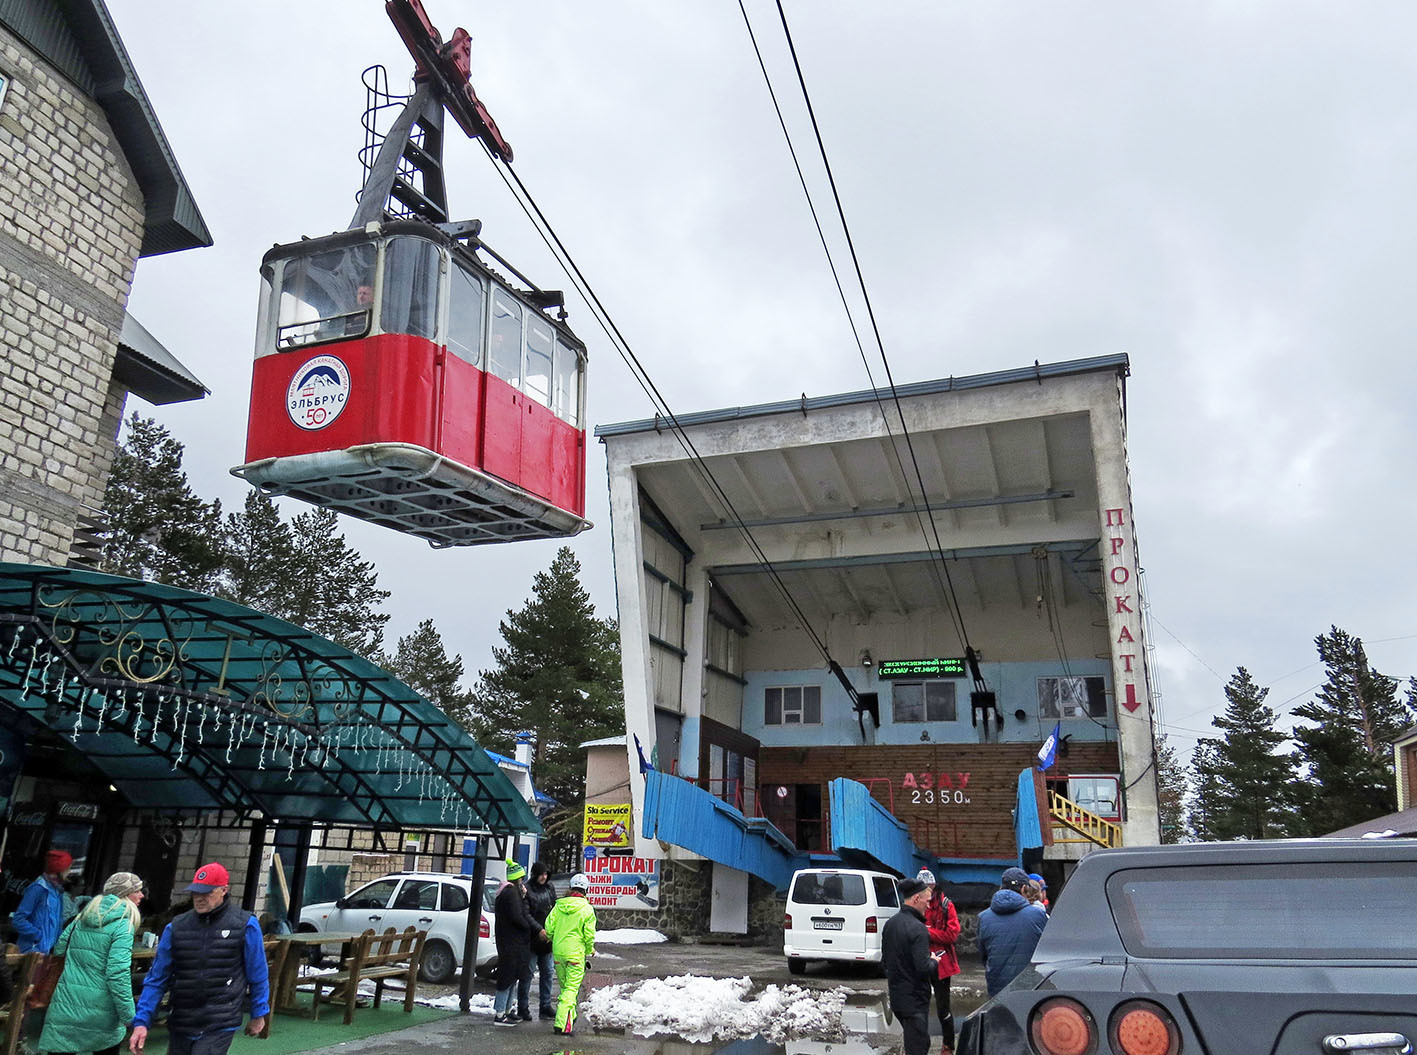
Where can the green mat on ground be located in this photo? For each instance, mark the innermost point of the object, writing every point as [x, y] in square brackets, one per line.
[297, 1032]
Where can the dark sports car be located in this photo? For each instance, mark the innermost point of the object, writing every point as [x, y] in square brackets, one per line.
[1302, 947]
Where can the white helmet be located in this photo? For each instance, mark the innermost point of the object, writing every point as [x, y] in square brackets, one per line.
[580, 882]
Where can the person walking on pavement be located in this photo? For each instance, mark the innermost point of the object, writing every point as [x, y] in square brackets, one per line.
[943, 924]
[40, 914]
[571, 927]
[1009, 930]
[909, 966]
[540, 897]
[93, 1002]
[213, 963]
[515, 928]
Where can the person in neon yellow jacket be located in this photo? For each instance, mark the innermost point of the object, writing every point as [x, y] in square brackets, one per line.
[571, 928]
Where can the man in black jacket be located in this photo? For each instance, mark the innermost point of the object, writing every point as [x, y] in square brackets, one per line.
[540, 896]
[905, 955]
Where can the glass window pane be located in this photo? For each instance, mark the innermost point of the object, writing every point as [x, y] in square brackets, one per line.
[939, 701]
[411, 268]
[417, 894]
[908, 701]
[454, 898]
[812, 705]
[568, 384]
[885, 892]
[466, 311]
[375, 895]
[540, 347]
[772, 707]
[326, 296]
[505, 360]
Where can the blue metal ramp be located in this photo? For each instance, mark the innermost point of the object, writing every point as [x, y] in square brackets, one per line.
[686, 815]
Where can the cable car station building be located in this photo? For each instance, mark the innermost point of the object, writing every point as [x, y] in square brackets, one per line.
[762, 759]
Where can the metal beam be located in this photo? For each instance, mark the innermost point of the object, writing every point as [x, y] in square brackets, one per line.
[921, 556]
[896, 510]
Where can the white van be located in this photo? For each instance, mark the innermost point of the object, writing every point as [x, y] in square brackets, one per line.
[836, 914]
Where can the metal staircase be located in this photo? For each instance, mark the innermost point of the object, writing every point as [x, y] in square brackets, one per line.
[1092, 828]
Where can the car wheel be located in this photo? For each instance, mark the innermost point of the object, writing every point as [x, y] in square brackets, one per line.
[796, 965]
[437, 965]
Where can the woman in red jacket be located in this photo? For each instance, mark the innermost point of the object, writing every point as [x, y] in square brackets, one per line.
[943, 924]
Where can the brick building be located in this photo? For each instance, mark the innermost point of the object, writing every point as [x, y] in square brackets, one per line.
[88, 186]
[833, 642]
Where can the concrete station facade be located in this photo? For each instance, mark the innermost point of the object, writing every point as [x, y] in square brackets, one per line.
[1026, 473]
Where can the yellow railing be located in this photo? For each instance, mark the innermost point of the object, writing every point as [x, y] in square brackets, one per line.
[1086, 823]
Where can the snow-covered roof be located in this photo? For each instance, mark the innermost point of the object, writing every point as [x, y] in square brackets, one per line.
[609, 741]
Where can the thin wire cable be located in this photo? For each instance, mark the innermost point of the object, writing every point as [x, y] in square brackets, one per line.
[938, 553]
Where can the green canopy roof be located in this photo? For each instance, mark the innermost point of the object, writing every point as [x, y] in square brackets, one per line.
[190, 703]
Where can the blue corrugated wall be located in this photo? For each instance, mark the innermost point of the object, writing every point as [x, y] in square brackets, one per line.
[1028, 832]
[864, 831]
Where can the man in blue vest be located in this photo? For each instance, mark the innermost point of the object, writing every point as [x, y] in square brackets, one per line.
[210, 959]
[41, 910]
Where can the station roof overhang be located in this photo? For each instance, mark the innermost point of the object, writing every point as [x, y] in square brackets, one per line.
[830, 495]
[190, 704]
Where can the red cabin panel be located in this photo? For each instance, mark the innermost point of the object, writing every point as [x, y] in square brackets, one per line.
[380, 389]
[460, 410]
[503, 410]
[567, 464]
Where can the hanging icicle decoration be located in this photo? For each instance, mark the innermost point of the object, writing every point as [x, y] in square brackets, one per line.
[102, 707]
[201, 722]
[230, 734]
[138, 717]
[265, 734]
[157, 715]
[29, 669]
[44, 673]
[14, 643]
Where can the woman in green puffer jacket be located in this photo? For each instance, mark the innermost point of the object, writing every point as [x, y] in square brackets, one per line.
[93, 1002]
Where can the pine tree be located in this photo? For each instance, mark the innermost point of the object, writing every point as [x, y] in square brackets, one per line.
[558, 677]
[330, 589]
[155, 525]
[421, 662]
[1247, 780]
[1205, 791]
[1171, 792]
[1347, 750]
[260, 551]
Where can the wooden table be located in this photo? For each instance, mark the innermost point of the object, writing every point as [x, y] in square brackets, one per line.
[283, 987]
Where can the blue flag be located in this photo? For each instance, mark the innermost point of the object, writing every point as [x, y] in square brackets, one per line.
[1048, 753]
[645, 767]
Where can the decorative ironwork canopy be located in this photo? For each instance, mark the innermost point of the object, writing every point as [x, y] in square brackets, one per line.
[191, 703]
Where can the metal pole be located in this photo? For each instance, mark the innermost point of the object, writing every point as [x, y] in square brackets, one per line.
[474, 924]
[253, 864]
[297, 878]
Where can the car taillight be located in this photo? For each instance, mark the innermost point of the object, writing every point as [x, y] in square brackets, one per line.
[484, 930]
[1060, 1026]
[870, 924]
[1140, 1027]
[786, 921]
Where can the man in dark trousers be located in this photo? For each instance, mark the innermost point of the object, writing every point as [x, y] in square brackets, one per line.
[905, 955]
[209, 959]
[1009, 930]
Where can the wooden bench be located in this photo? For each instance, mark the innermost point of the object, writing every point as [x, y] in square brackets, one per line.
[377, 958]
[22, 967]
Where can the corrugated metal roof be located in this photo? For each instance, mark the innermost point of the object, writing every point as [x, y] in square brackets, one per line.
[145, 367]
[1037, 372]
[79, 39]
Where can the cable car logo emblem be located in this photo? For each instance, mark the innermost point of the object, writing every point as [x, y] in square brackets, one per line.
[318, 392]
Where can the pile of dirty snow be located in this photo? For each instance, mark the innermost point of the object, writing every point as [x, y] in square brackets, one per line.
[629, 936]
[701, 1010]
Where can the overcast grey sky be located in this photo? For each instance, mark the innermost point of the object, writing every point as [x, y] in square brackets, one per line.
[1221, 190]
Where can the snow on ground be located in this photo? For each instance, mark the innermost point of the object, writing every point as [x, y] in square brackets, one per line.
[599, 955]
[479, 1004]
[702, 1009]
[629, 936]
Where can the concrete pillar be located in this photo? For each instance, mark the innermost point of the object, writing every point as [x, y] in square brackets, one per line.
[694, 687]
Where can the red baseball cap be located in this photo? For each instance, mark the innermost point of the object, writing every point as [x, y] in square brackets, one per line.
[208, 878]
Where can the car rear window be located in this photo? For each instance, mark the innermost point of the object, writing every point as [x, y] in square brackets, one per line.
[1348, 910]
[829, 888]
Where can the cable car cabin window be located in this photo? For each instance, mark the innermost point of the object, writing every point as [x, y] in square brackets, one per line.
[466, 304]
[326, 296]
[540, 347]
[505, 360]
[568, 384]
[410, 287]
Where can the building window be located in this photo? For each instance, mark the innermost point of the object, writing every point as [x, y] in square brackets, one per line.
[1099, 795]
[1072, 697]
[4, 87]
[923, 701]
[793, 705]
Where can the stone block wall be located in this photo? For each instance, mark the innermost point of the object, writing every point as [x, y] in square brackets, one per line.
[71, 226]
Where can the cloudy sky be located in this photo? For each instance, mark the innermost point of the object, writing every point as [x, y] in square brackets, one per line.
[1221, 190]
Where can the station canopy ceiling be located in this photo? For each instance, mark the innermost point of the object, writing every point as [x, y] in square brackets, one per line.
[188, 703]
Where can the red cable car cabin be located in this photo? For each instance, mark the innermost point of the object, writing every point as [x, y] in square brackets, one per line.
[401, 381]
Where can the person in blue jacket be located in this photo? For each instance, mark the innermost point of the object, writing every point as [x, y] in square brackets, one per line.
[40, 916]
[210, 958]
[1009, 930]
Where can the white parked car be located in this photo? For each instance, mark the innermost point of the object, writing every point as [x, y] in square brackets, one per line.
[837, 914]
[431, 901]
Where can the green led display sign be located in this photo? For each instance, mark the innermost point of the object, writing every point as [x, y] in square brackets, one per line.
[920, 668]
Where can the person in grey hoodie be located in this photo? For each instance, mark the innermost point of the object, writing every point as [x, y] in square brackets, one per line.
[1009, 930]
